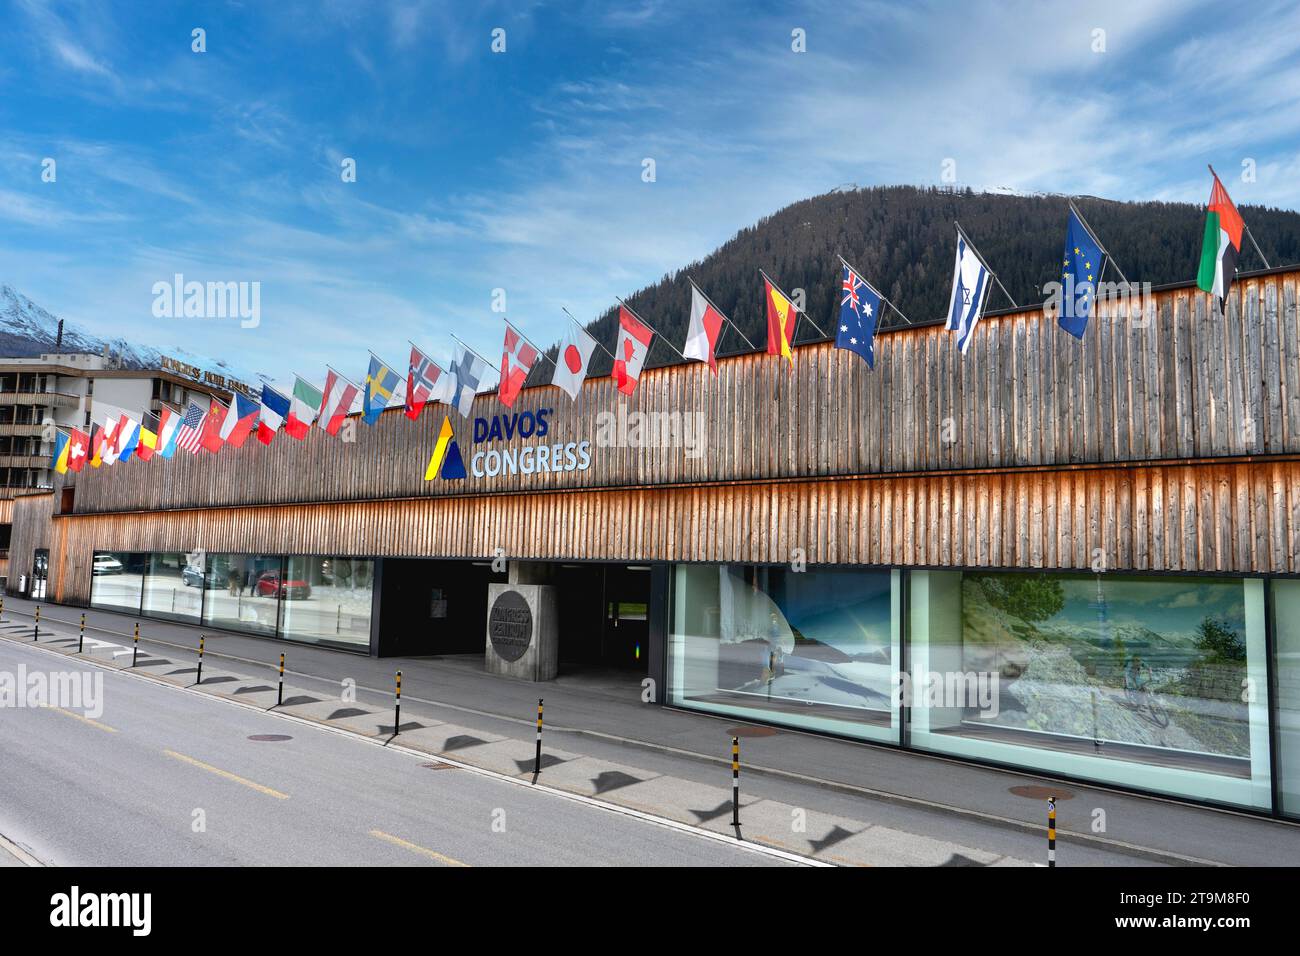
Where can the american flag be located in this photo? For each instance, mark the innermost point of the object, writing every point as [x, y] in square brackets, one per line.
[191, 429]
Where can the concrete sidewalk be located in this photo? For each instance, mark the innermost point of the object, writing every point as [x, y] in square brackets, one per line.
[855, 802]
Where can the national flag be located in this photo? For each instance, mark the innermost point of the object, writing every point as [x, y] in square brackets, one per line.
[108, 446]
[189, 435]
[1081, 264]
[1221, 243]
[148, 443]
[860, 306]
[782, 320]
[571, 365]
[339, 395]
[426, 381]
[303, 408]
[466, 372]
[78, 449]
[380, 383]
[59, 461]
[630, 354]
[210, 433]
[275, 408]
[169, 426]
[970, 289]
[517, 358]
[705, 329]
[96, 445]
[239, 420]
[128, 436]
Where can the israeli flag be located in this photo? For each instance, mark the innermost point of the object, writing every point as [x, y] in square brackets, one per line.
[970, 287]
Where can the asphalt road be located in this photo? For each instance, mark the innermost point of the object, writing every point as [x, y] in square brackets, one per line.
[128, 789]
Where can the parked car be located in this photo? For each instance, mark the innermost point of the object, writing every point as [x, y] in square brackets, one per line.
[195, 578]
[270, 584]
[107, 564]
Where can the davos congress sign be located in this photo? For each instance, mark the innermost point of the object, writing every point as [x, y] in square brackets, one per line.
[533, 453]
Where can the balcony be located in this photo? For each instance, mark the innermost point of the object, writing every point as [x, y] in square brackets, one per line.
[21, 430]
[54, 399]
[24, 461]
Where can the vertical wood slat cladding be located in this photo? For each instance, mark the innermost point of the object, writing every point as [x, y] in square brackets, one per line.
[1233, 518]
[1174, 379]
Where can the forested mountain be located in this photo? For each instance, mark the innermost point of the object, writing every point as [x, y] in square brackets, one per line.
[901, 238]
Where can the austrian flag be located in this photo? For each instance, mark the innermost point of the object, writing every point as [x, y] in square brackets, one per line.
[516, 362]
[633, 347]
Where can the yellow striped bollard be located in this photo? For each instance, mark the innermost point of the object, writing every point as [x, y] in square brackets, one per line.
[135, 644]
[36, 628]
[537, 760]
[198, 678]
[735, 782]
[1051, 831]
[397, 706]
[81, 634]
[279, 696]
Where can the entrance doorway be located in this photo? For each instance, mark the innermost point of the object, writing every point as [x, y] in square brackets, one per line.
[434, 608]
[604, 616]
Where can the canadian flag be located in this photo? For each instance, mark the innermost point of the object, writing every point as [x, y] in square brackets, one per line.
[706, 327]
[633, 346]
[516, 362]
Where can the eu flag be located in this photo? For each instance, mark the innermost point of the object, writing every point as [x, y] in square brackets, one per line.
[859, 313]
[1080, 273]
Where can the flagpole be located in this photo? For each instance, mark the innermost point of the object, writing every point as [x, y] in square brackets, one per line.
[485, 361]
[798, 311]
[1106, 252]
[592, 337]
[695, 286]
[1259, 252]
[883, 298]
[657, 333]
[985, 264]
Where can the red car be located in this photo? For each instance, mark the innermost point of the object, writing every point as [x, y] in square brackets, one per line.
[271, 585]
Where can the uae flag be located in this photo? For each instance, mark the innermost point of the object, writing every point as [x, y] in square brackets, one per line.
[633, 347]
[706, 328]
[1221, 244]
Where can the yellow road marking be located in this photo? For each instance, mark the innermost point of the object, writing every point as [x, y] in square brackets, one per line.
[227, 774]
[415, 848]
[84, 719]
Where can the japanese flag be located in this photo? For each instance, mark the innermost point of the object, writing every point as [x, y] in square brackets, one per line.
[571, 363]
[633, 346]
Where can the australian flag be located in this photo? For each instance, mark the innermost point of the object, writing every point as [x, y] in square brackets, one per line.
[1080, 273]
[859, 313]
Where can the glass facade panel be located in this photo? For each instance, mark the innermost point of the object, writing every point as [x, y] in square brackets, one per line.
[117, 578]
[173, 587]
[1152, 683]
[1286, 645]
[327, 601]
[815, 649]
[241, 591]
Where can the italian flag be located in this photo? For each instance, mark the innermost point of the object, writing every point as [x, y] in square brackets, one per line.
[1222, 242]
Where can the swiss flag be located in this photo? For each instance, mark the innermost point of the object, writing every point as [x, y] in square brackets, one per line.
[706, 328]
[516, 362]
[633, 346]
[78, 449]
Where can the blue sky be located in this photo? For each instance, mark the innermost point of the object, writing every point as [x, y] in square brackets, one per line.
[523, 170]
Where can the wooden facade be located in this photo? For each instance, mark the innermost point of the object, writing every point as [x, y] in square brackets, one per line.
[1166, 440]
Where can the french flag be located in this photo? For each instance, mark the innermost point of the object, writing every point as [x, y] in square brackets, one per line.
[275, 409]
[240, 419]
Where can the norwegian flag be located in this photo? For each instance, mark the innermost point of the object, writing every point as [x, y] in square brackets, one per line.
[191, 431]
[425, 382]
[516, 362]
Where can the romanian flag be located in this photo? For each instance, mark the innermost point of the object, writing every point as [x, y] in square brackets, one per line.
[782, 316]
[1221, 244]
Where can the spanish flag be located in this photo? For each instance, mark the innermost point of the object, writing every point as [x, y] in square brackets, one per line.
[782, 317]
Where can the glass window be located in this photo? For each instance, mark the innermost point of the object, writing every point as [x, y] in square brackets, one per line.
[327, 601]
[1153, 683]
[815, 649]
[1286, 636]
[173, 586]
[241, 591]
[116, 580]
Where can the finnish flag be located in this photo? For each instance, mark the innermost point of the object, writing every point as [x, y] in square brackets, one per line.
[970, 287]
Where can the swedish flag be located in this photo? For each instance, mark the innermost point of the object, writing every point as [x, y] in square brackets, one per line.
[380, 382]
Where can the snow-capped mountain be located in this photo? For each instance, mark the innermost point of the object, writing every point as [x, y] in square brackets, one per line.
[26, 329]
